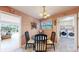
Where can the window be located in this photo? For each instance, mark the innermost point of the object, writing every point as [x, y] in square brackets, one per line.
[7, 29]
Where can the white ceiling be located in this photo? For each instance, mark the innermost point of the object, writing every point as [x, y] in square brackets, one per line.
[34, 11]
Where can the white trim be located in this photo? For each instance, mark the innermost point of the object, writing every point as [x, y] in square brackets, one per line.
[8, 13]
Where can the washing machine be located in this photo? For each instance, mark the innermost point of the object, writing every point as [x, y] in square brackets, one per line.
[71, 32]
[63, 32]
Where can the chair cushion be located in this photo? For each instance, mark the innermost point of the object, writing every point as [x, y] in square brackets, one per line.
[49, 42]
[30, 41]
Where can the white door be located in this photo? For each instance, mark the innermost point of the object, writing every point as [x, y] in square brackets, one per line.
[67, 33]
[11, 29]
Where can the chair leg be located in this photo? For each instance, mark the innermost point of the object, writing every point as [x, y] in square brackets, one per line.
[46, 47]
[54, 47]
[33, 47]
[26, 46]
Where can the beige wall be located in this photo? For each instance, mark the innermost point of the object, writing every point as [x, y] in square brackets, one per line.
[26, 21]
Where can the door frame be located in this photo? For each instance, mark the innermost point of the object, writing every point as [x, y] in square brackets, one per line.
[20, 19]
[76, 30]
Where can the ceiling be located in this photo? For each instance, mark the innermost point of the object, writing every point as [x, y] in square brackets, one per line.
[35, 11]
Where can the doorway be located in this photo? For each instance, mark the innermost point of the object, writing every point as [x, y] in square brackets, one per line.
[10, 31]
[67, 33]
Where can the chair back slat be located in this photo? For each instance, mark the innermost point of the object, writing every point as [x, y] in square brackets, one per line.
[27, 36]
[40, 42]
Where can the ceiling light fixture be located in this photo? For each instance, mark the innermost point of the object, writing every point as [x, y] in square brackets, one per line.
[44, 13]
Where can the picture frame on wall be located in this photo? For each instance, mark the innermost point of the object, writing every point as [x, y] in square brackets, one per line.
[33, 25]
[47, 25]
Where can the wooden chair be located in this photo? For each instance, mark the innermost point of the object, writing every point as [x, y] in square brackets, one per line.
[51, 41]
[28, 40]
[40, 43]
[53, 34]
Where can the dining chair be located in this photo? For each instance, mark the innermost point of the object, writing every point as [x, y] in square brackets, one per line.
[40, 43]
[28, 40]
[53, 34]
[51, 41]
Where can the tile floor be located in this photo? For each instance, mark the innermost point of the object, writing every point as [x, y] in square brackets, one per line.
[31, 49]
[49, 49]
